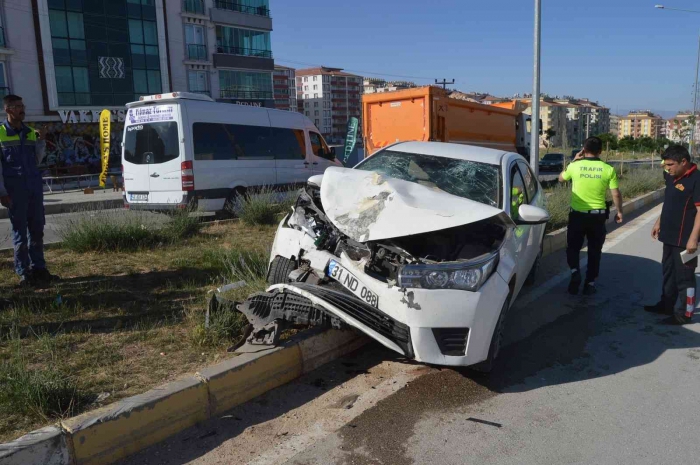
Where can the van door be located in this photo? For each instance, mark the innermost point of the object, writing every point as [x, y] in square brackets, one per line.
[152, 149]
[321, 156]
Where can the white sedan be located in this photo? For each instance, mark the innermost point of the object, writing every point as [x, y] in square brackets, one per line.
[424, 247]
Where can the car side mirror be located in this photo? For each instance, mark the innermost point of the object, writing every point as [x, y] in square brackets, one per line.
[529, 214]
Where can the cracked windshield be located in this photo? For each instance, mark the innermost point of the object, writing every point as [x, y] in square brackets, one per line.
[469, 179]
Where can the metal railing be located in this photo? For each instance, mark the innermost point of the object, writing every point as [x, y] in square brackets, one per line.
[249, 52]
[197, 52]
[250, 10]
[251, 94]
[193, 6]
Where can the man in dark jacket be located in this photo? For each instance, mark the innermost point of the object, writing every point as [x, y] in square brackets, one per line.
[21, 191]
[678, 229]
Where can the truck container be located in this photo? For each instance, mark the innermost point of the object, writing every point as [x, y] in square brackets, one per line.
[429, 114]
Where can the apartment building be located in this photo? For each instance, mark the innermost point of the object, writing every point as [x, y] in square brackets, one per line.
[376, 85]
[222, 48]
[641, 124]
[679, 128]
[285, 87]
[553, 116]
[329, 97]
[615, 125]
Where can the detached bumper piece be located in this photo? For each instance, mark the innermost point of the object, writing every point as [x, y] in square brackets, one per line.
[269, 313]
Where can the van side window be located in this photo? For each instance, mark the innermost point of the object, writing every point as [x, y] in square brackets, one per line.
[288, 144]
[317, 143]
[213, 141]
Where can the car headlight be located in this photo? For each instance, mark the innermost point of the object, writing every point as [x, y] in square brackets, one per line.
[467, 276]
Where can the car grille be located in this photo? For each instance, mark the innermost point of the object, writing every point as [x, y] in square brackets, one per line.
[451, 341]
[395, 331]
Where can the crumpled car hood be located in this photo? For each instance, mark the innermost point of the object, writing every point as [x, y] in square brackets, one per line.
[367, 206]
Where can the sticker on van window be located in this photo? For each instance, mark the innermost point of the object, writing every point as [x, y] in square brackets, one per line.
[151, 114]
[135, 128]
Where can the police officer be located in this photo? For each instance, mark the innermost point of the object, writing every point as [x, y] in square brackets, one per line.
[590, 178]
[21, 191]
[678, 229]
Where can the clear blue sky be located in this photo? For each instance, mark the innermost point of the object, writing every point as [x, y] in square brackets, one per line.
[624, 53]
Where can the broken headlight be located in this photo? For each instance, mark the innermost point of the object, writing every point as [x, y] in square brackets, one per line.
[467, 276]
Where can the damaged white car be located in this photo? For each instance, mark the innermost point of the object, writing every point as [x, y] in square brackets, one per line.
[423, 246]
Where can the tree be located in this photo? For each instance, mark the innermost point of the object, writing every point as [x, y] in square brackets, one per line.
[609, 141]
[627, 143]
[548, 134]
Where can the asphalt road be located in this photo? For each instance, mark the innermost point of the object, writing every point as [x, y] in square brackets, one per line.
[581, 380]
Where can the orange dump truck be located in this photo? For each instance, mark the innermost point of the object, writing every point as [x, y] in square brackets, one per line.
[429, 114]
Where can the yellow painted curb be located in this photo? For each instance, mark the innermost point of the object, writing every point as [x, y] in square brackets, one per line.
[116, 431]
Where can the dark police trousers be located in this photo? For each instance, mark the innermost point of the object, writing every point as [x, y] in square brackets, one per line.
[677, 278]
[586, 226]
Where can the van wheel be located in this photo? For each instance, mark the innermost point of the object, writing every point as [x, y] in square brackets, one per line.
[487, 365]
[233, 198]
[280, 269]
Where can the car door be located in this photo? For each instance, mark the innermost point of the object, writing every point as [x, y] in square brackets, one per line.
[524, 257]
[321, 156]
[536, 198]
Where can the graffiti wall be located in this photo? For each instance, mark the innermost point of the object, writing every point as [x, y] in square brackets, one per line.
[76, 147]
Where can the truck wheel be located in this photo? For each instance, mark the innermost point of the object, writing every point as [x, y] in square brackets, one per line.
[487, 365]
[280, 269]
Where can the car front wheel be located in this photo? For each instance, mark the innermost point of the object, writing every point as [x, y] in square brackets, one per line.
[487, 365]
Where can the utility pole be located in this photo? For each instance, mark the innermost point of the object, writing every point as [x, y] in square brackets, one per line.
[535, 124]
[444, 83]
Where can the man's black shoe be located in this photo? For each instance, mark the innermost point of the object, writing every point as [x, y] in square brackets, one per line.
[575, 282]
[26, 282]
[659, 309]
[682, 319]
[589, 289]
[43, 276]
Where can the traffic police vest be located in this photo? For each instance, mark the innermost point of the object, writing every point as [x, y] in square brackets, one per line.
[18, 152]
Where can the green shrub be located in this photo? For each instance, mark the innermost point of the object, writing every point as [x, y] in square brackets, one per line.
[264, 206]
[636, 182]
[122, 231]
[558, 205]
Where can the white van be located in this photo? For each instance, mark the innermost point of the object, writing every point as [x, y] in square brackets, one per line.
[182, 149]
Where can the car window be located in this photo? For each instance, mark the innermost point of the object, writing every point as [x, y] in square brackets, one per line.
[213, 141]
[518, 192]
[151, 143]
[468, 179]
[530, 181]
[317, 143]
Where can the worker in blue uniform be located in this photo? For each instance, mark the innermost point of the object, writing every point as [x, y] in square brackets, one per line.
[21, 191]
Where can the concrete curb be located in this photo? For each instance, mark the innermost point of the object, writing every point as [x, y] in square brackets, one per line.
[114, 432]
[556, 240]
[57, 208]
[118, 430]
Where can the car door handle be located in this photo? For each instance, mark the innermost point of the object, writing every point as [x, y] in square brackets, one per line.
[315, 163]
[306, 163]
[155, 175]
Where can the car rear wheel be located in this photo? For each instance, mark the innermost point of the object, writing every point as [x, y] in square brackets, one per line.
[487, 365]
[280, 269]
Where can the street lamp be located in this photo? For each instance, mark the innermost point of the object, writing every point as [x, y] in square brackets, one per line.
[695, 89]
[535, 124]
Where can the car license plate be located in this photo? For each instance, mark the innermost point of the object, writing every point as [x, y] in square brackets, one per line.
[138, 197]
[350, 282]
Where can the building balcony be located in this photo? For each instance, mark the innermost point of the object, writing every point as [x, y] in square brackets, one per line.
[197, 52]
[246, 94]
[193, 6]
[249, 10]
[247, 52]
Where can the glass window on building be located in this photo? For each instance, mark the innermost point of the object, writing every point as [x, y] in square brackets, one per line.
[236, 41]
[4, 89]
[251, 7]
[198, 82]
[195, 42]
[245, 84]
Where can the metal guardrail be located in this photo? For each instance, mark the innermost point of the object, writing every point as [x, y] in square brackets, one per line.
[249, 52]
[250, 10]
[193, 6]
[249, 94]
[197, 52]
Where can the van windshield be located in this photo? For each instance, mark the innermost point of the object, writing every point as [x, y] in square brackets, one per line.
[151, 143]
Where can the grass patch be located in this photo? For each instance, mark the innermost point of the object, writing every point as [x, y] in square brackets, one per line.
[127, 320]
[123, 231]
[264, 206]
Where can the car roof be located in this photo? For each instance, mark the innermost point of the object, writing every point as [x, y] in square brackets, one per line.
[448, 150]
